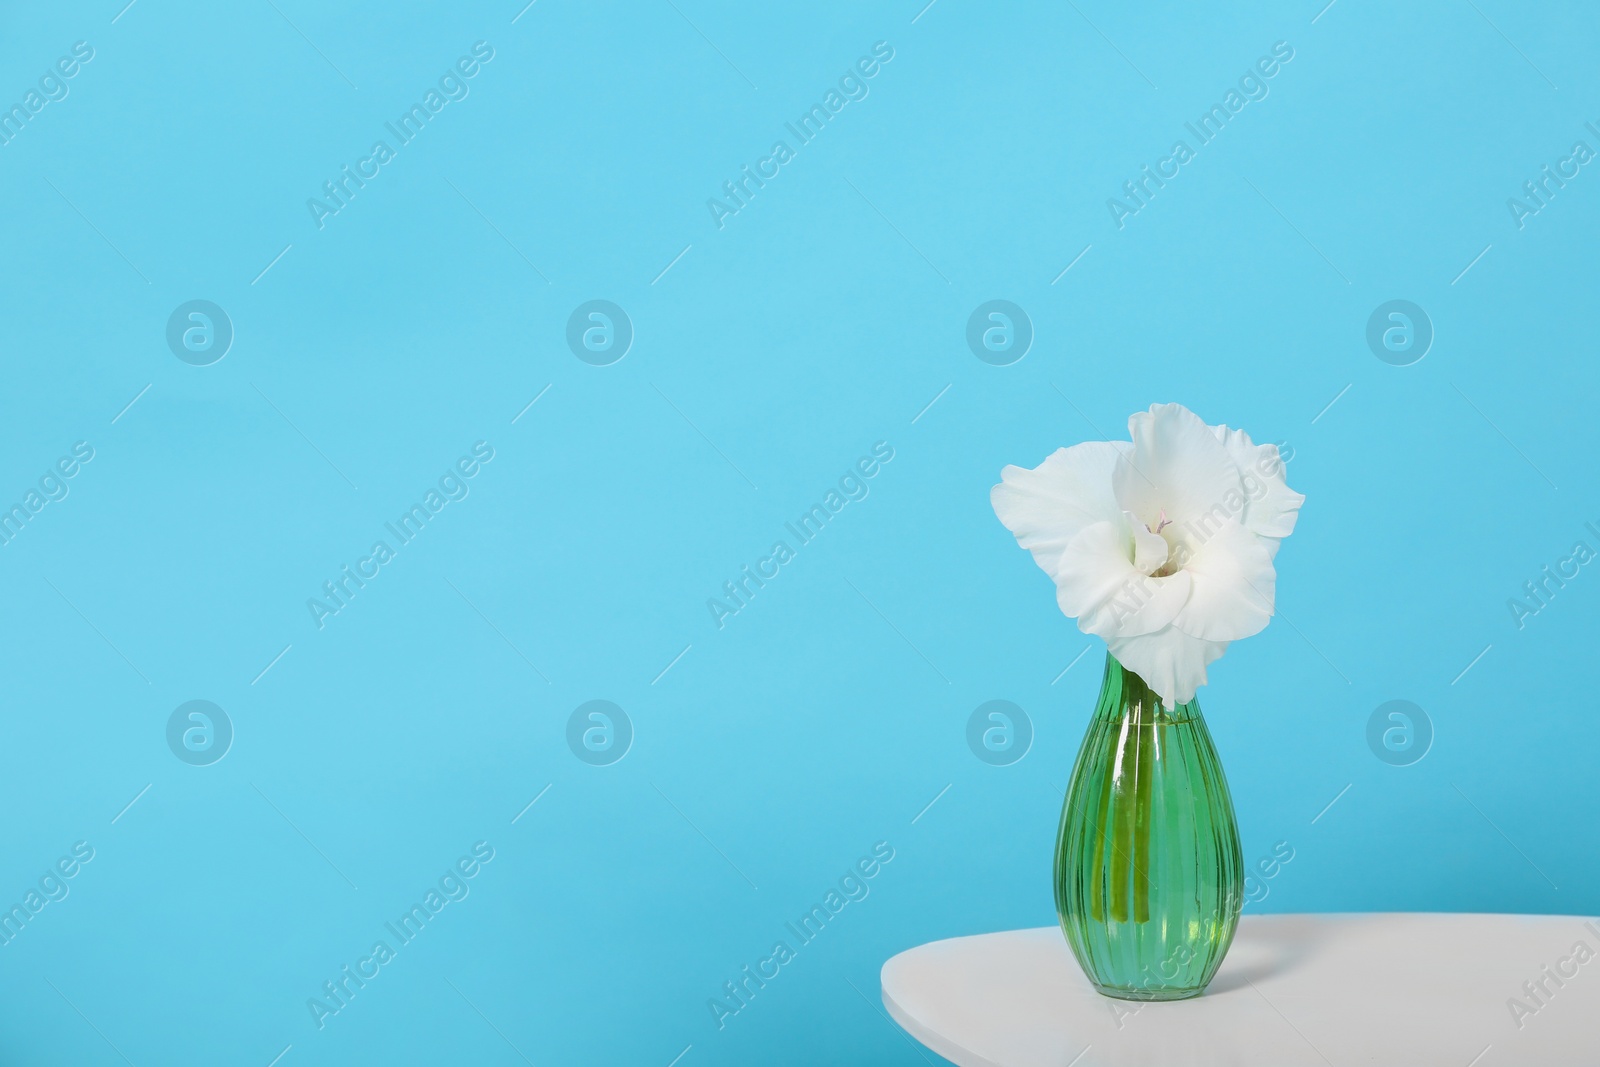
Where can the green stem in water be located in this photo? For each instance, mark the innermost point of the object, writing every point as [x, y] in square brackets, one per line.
[1144, 780]
[1126, 810]
[1102, 883]
[1098, 877]
[1120, 873]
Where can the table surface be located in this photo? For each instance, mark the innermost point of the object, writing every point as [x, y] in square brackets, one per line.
[1408, 990]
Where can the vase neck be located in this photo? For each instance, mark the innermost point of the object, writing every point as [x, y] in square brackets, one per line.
[1124, 695]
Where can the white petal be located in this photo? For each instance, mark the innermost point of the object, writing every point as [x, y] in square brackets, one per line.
[1271, 507]
[1234, 586]
[1176, 466]
[1170, 661]
[1098, 584]
[1047, 506]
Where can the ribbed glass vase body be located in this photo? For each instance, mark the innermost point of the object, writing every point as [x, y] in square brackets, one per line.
[1148, 871]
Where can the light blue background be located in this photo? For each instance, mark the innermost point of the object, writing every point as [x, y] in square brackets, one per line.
[822, 318]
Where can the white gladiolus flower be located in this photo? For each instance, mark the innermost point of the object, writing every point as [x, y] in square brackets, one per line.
[1164, 545]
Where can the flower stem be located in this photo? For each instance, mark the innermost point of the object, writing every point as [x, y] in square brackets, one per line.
[1144, 781]
[1126, 811]
[1100, 882]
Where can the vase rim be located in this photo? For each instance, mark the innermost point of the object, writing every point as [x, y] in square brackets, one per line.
[1135, 689]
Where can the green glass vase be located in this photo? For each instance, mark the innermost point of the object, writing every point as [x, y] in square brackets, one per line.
[1149, 875]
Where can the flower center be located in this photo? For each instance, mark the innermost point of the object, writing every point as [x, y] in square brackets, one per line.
[1171, 566]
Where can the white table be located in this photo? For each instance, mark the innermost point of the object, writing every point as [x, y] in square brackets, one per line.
[1386, 990]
